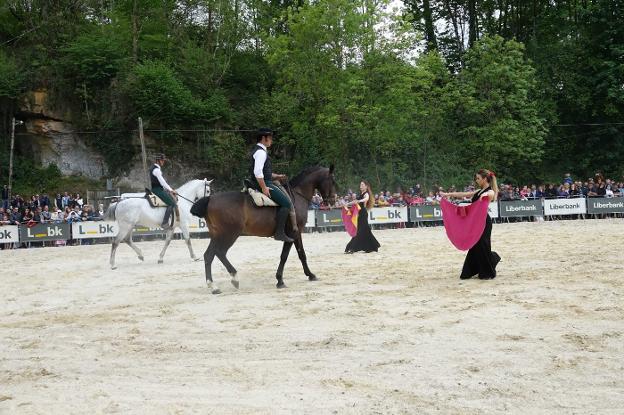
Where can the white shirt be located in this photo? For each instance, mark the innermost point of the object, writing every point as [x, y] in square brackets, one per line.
[260, 158]
[158, 174]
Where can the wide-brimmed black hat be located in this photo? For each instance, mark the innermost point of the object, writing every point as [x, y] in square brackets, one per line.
[263, 132]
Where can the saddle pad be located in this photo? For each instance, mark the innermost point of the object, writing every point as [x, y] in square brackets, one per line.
[156, 201]
[260, 199]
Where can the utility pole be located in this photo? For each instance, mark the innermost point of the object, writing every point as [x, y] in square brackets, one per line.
[143, 153]
[11, 156]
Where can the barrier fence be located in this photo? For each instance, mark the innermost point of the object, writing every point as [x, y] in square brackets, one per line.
[318, 219]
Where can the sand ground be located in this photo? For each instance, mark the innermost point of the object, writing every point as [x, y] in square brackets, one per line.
[386, 333]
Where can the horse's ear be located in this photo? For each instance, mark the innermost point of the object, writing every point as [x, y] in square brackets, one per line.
[209, 181]
[331, 169]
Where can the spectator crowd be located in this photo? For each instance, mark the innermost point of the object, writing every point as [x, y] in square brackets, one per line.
[595, 186]
[41, 209]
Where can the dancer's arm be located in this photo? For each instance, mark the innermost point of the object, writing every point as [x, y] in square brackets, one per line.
[457, 195]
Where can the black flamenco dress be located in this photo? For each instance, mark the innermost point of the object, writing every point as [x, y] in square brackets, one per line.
[480, 259]
[364, 239]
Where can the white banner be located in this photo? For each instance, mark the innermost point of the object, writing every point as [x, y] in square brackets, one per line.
[387, 215]
[82, 230]
[564, 206]
[311, 223]
[493, 209]
[198, 225]
[9, 234]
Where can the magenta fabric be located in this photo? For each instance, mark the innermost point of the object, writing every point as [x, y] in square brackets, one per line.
[350, 219]
[464, 225]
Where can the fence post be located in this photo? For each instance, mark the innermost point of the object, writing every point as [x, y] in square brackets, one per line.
[143, 153]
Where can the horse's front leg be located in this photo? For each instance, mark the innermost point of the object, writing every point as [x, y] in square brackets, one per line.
[187, 238]
[168, 237]
[304, 259]
[280, 270]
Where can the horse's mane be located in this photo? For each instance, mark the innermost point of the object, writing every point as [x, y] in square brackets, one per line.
[295, 181]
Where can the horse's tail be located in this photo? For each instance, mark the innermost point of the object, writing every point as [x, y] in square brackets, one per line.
[110, 212]
[200, 207]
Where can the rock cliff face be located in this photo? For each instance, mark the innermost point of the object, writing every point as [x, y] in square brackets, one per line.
[50, 138]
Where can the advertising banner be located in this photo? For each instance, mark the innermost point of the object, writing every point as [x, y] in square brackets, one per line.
[603, 205]
[9, 234]
[331, 217]
[493, 210]
[82, 230]
[520, 208]
[425, 213]
[310, 222]
[387, 215]
[198, 225]
[45, 232]
[564, 206]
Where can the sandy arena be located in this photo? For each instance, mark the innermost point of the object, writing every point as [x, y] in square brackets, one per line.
[385, 333]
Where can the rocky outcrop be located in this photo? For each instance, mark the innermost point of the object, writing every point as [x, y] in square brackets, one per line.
[50, 138]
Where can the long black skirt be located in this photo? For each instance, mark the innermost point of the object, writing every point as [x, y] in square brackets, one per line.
[480, 259]
[364, 239]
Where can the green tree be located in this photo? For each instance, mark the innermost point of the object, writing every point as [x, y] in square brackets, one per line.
[500, 125]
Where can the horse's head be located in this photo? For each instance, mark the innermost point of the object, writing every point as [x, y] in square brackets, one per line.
[201, 189]
[327, 186]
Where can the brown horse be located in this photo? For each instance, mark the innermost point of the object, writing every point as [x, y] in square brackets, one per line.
[232, 214]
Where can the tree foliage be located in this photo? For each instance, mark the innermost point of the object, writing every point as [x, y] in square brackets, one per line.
[427, 95]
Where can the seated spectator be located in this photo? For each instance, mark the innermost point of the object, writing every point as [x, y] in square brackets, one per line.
[609, 191]
[508, 194]
[5, 219]
[430, 198]
[16, 216]
[58, 202]
[79, 201]
[101, 209]
[58, 216]
[44, 200]
[73, 215]
[45, 214]
[524, 193]
[599, 188]
[574, 190]
[541, 192]
[417, 200]
[563, 192]
[27, 216]
[551, 192]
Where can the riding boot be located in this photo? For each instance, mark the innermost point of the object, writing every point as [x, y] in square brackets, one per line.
[293, 221]
[280, 234]
[165, 223]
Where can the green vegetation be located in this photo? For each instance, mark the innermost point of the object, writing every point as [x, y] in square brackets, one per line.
[343, 81]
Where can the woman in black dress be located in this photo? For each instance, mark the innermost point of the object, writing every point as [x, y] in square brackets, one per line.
[364, 239]
[480, 259]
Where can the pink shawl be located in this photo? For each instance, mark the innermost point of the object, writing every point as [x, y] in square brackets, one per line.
[464, 225]
[350, 219]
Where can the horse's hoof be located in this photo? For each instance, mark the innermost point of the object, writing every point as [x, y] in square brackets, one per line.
[216, 291]
[281, 285]
[235, 283]
[141, 258]
[160, 261]
[312, 278]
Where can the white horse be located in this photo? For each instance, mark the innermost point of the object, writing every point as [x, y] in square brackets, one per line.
[137, 211]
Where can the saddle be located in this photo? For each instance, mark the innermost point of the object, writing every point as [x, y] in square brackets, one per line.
[259, 198]
[154, 200]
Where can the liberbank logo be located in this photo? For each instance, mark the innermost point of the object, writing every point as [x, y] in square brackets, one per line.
[556, 206]
[608, 205]
[529, 208]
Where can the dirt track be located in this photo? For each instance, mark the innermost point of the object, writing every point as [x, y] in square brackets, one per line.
[392, 332]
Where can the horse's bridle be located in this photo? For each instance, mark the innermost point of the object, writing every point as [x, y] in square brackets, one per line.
[196, 199]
